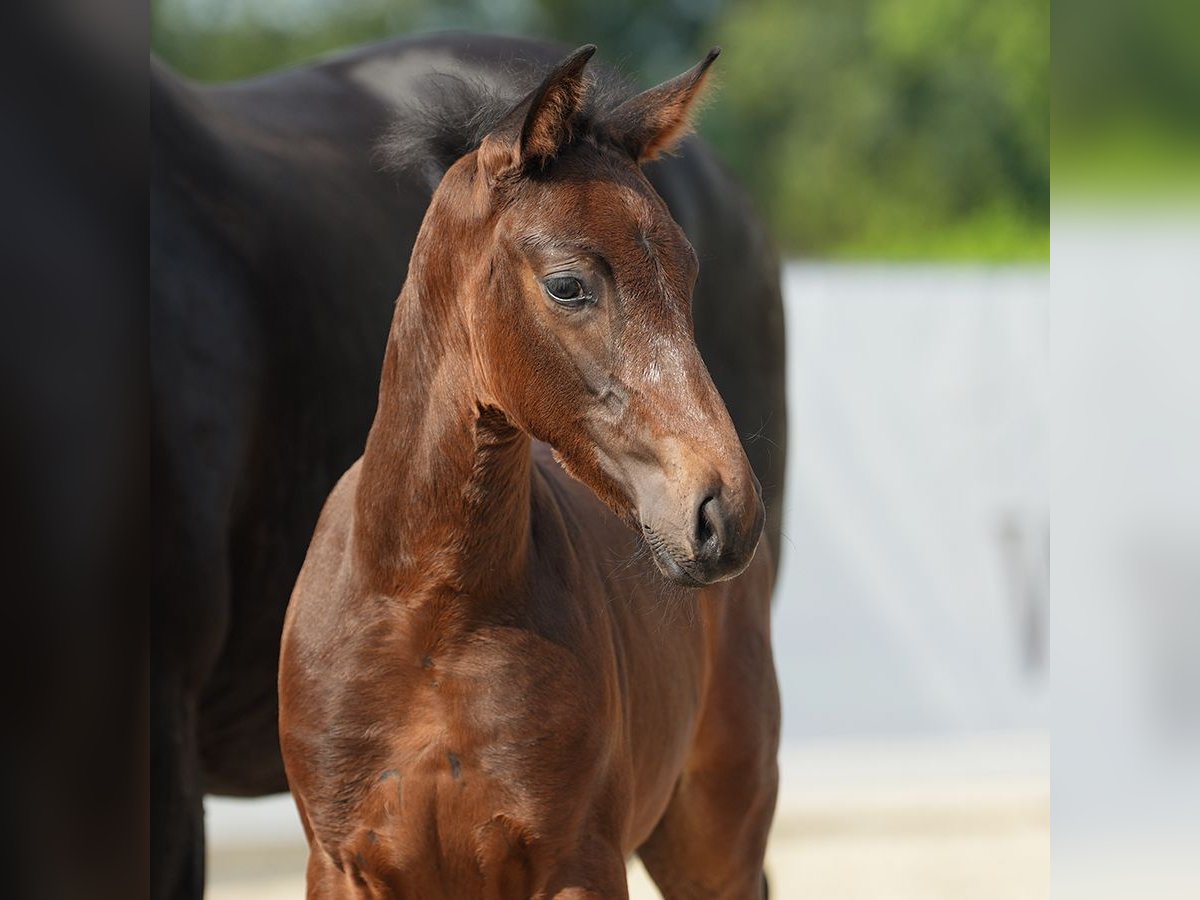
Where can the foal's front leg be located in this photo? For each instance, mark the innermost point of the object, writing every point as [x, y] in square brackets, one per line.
[712, 838]
[596, 873]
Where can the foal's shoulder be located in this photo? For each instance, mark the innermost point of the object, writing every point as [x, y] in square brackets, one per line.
[333, 525]
[324, 563]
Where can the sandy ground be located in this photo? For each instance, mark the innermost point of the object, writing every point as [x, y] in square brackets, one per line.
[926, 820]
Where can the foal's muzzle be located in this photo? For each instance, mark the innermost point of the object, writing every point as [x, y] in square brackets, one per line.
[716, 541]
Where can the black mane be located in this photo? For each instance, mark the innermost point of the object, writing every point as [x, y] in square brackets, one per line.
[449, 114]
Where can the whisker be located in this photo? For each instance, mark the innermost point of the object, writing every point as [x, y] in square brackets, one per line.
[759, 434]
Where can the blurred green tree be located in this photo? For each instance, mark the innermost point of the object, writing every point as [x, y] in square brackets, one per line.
[892, 127]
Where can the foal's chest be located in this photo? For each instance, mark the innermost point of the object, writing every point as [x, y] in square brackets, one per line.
[502, 749]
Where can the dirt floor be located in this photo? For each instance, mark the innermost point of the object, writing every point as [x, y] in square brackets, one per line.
[923, 821]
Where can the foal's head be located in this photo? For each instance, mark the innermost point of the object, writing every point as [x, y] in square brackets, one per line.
[577, 289]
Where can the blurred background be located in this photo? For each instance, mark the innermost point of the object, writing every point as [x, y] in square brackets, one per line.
[1125, 377]
[865, 129]
[900, 150]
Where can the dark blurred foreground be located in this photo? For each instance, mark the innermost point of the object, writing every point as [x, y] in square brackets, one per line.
[72, 153]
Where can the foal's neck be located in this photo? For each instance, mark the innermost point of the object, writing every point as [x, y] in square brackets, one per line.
[443, 498]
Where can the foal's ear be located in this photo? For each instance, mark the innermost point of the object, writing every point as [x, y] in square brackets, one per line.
[656, 120]
[542, 123]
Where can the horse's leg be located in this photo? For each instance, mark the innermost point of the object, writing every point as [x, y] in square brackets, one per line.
[180, 656]
[322, 880]
[176, 795]
[189, 593]
[712, 838]
[200, 386]
[597, 873]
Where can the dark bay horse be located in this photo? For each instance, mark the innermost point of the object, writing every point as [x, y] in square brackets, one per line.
[278, 243]
[481, 693]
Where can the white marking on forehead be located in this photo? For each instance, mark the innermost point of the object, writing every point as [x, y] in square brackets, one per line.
[653, 372]
[637, 203]
[667, 374]
[665, 360]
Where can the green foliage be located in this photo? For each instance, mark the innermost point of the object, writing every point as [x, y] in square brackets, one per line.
[888, 126]
[864, 128]
[1126, 92]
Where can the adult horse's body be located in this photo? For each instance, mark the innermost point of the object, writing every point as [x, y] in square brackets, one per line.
[277, 247]
[481, 694]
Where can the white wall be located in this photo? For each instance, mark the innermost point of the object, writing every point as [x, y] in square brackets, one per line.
[913, 576]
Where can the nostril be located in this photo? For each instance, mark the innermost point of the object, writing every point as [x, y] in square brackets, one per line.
[706, 524]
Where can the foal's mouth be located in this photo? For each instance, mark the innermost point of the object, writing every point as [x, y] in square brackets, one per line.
[675, 569]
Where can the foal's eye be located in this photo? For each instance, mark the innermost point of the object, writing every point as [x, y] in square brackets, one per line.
[567, 290]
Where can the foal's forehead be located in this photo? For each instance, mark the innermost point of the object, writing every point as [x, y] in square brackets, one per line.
[607, 210]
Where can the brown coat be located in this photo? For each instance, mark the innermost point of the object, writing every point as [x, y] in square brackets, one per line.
[496, 694]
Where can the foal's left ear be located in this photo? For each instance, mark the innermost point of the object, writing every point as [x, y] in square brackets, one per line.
[656, 120]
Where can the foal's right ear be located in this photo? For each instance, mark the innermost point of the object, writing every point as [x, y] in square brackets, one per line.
[542, 123]
[655, 121]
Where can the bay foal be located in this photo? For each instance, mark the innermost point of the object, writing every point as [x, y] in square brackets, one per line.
[481, 695]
